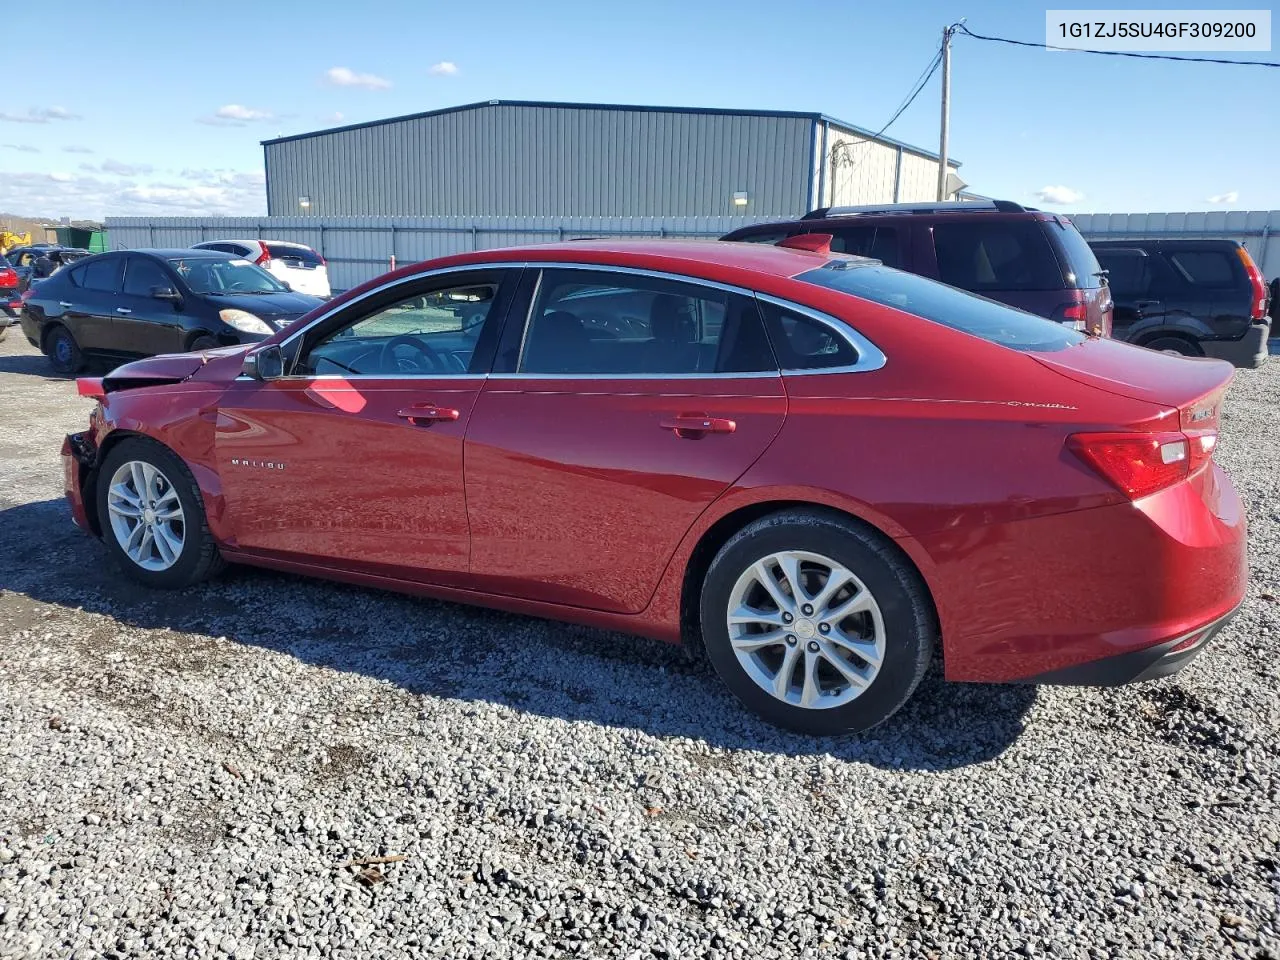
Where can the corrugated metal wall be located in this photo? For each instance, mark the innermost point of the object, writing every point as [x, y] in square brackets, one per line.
[1256, 229]
[512, 160]
[359, 248]
[859, 170]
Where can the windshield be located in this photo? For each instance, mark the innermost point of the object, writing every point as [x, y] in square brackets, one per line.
[208, 275]
[948, 306]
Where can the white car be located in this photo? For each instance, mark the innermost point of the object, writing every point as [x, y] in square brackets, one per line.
[295, 263]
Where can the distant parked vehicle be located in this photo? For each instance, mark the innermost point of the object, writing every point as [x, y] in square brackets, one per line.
[125, 305]
[1200, 298]
[41, 260]
[295, 263]
[10, 303]
[1021, 256]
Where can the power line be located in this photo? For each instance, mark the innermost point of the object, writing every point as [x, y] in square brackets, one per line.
[961, 28]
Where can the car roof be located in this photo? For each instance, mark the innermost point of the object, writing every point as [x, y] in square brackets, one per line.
[1166, 242]
[186, 253]
[708, 259]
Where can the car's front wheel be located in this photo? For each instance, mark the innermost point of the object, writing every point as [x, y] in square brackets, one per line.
[816, 622]
[152, 516]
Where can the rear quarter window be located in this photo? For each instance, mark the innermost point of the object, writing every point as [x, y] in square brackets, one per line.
[288, 254]
[939, 303]
[1080, 264]
[996, 256]
[1213, 269]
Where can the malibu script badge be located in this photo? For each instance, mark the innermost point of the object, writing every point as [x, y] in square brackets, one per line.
[260, 464]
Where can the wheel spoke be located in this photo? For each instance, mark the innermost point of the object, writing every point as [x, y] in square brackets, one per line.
[790, 565]
[134, 538]
[782, 679]
[120, 501]
[758, 641]
[139, 480]
[170, 495]
[169, 513]
[765, 578]
[844, 667]
[863, 649]
[839, 578]
[750, 615]
[859, 603]
[810, 692]
[167, 543]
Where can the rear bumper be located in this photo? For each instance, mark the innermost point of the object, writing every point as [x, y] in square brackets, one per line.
[1093, 596]
[77, 465]
[1249, 351]
[1162, 660]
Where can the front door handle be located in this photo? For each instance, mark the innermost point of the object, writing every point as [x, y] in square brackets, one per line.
[124, 310]
[693, 426]
[427, 413]
[64, 305]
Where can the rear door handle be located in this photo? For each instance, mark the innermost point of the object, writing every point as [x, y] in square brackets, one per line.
[124, 310]
[427, 413]
[692, 426]
[64, 305]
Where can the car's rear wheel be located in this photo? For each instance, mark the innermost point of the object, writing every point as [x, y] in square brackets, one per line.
[816, 623]
[152, 516]
[202, 342]
[1170, 344]
[63, 351]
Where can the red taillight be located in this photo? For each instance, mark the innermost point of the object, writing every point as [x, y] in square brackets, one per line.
[1074, 314]
[264, 258]
[1258, 302]
[8, 278]
[1139, 464]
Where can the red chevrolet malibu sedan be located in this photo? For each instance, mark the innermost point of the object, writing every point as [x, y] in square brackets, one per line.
[820, 469]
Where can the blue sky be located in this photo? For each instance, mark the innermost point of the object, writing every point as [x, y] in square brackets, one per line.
[152, 107]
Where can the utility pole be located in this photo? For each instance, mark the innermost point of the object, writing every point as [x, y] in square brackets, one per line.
[945, 134]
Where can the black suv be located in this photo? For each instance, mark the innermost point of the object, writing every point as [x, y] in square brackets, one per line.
[1018, 255]
[1195, 297]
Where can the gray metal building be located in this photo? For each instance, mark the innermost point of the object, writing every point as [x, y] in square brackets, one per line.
[508, 158]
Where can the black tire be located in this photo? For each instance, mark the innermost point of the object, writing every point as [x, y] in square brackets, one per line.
[198, 558]
[906, 609]
[1171, 343]
[62, 350]
[202, 342]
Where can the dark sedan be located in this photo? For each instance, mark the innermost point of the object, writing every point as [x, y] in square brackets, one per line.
[138, 303]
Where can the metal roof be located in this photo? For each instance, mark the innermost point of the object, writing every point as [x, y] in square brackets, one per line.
[553, 104]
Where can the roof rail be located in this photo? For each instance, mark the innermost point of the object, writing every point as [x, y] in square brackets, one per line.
[951, 206]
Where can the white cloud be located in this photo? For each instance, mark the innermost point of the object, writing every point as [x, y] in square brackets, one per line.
[336, 117]
[76, 148]
[117, 168]
[445, 68]
[40, 115]
[1058, 196]
[234, 111]
[194, 192]
[1231, 196]
[346, 77]
[22, 147]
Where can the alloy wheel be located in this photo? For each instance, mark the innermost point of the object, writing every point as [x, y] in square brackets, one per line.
[146, 515]
[805, 629]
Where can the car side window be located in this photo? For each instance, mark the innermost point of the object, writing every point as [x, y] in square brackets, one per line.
[103, 275]
[1126, 271]
[1204, 268]
[802, 342]
[878, 243]
[599, 323]
[428, 334]
[1005, 255]
[141, 275]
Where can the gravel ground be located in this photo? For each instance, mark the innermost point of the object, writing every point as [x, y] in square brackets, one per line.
[185, 775]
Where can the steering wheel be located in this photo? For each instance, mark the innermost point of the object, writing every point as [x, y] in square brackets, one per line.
[237, 285]
[388, 361]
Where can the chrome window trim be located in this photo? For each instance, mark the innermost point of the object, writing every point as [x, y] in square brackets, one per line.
[870, 357]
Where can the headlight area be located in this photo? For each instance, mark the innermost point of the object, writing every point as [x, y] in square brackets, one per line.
[245, 322]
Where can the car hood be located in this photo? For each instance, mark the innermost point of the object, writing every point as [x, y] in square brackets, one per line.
[276, 307]
[222, 364]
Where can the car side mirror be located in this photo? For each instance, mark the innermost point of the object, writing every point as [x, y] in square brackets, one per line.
[287, 285]
[166, 293]
[264, 364]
